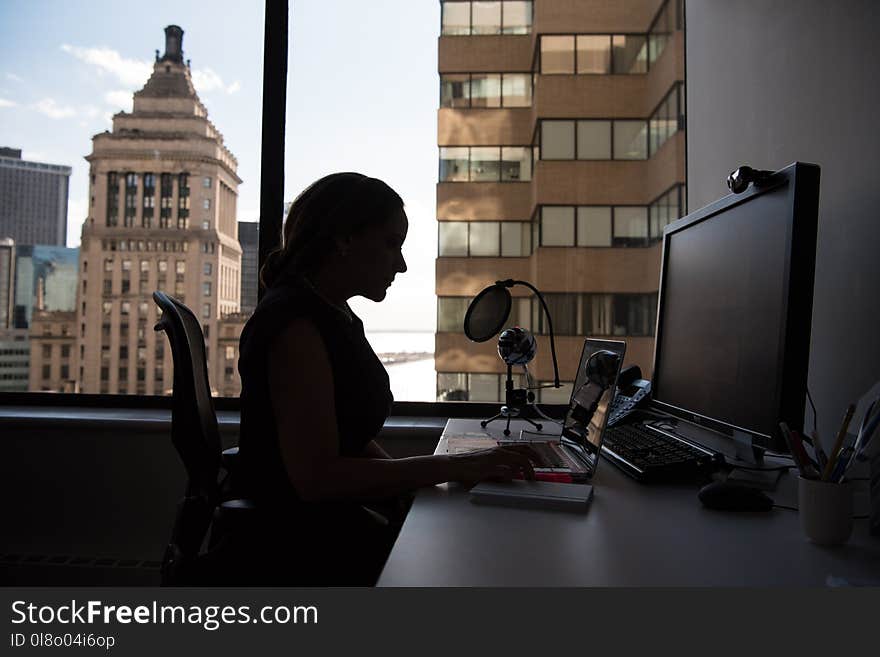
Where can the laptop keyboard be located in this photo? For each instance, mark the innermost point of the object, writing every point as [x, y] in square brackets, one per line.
[549, 458]
[651, 455]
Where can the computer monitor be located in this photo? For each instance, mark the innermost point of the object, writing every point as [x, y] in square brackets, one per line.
[734, 310]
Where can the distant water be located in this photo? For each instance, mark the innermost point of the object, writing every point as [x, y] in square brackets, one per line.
[414, 380]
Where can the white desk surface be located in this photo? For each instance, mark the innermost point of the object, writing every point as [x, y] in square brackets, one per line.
[632, 535]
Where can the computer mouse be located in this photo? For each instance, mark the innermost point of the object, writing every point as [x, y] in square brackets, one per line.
[727, 496]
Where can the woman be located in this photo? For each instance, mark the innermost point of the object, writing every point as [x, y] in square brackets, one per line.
[314, 395]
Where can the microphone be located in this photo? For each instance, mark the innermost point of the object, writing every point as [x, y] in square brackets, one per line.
[489, 311]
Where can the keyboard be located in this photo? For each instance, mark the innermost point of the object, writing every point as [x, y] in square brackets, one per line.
[650, 454]
[548, 456]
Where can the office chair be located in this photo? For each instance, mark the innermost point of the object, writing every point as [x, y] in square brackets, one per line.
[196, 437]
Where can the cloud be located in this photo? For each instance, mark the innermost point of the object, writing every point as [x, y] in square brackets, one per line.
[131, 72]
[13, 77]
[120, 99]
[207, 80]
[7, 103]
[50, 108]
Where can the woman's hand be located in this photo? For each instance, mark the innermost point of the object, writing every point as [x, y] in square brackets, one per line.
[496, 463]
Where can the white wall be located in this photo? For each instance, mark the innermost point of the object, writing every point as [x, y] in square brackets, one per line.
[774, 81]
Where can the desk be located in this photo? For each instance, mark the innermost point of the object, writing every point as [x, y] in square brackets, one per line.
[632, 535]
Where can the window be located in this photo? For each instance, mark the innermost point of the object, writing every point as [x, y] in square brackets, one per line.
[107, 307]
[180, 267]
[208, 269]
[486, 90]
[485, 164]
[629, 53]
[557, 55]
[206, 310]
[557, 140]
[206, 204]
[230, 352]
[123, 352]
[47, 351]
[108, 287]
[455, 90]
[630, 226]
[481, 17]
[594, 140]
[65, 351]
[162, 265]
[593, 53]
[557, 226]
[125, 307]
[630, 140]
[594, 226]
[47, 372]
[485, 238]
[206, 289]
[206, 182]
[453, 238]
[108, 264]
[450, 314]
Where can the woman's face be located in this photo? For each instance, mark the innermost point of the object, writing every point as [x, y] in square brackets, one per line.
[374, 256]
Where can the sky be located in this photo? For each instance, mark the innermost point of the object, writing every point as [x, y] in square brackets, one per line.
[362, 95]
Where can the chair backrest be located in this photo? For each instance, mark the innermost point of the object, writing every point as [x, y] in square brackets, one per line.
[194, 429]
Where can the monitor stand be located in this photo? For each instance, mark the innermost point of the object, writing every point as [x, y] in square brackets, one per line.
[746, 450]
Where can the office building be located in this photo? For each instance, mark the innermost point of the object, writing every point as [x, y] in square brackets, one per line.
[33, 200]
[14, 360]
[51, 271]
[53, 342]
[249, 238]
[164, 188]
[7, 281]
[562, 157]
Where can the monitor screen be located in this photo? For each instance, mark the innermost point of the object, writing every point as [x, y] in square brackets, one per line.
[725, 347]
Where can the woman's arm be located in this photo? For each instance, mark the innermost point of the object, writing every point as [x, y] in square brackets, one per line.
[301, 385]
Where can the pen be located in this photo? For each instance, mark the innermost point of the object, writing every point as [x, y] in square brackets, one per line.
[838, 443]
[811, 470]
[796, 448]
[817, 448]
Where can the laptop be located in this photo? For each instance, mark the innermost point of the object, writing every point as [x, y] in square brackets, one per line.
[573, 455]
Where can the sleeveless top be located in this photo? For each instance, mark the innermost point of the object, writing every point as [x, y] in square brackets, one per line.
[360, 387]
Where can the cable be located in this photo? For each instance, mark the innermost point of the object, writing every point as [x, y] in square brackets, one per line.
[813, 406]
[787, 508]
[535, 406]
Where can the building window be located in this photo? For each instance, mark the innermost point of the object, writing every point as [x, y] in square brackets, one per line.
[125, 307]
[112, 199]
[667, 119]
[206, 204]
[47, 372]
[485, 164]
[594, 54]
[65, 351]
[450, 314]
[47, 351]
[180, 266]
[206, 310]
[557, 226]
[668, 20]
[209, 268]
[593, 140]
[108, 287]
[162, 265]
[486, 90]
[594, 226]
[479, 17]
[107, 307]
[206, 289]
[230, 352]
[206, 182]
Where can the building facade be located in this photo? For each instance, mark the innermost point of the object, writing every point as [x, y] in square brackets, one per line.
[249, 238]
[561, 138]
[7, 281]
[33, 200]
[162, 216]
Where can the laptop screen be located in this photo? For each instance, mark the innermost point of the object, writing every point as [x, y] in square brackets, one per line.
[594, 388]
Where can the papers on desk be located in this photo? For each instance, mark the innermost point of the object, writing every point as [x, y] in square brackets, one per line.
[468, 442]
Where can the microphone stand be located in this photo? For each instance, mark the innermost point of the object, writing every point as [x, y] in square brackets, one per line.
[515, 399]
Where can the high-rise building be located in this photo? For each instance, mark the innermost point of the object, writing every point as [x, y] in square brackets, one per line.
[249, 238]
[7, 281]
[164, 189]
[33, 200]
[14, 360]
[562, 152]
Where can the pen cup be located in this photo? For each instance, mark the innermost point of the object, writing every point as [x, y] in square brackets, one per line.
[826, 510]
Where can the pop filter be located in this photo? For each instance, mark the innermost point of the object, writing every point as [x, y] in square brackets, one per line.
[488, 312]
